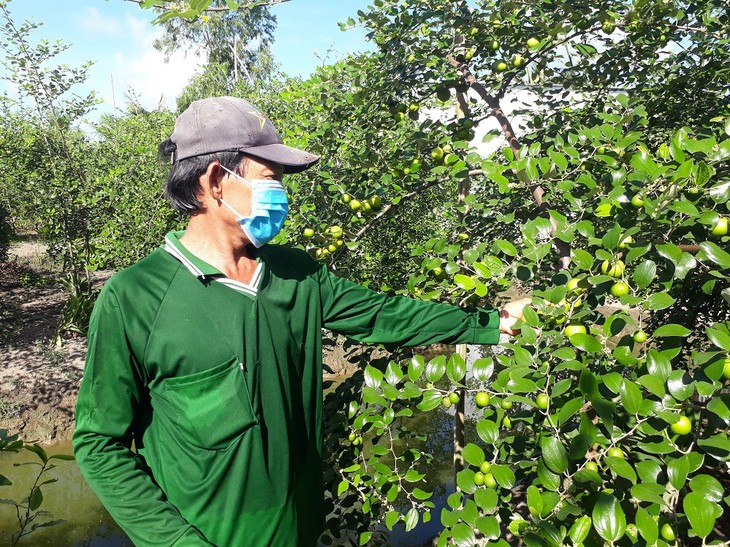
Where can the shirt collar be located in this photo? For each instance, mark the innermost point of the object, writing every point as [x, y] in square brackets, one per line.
[196, 266]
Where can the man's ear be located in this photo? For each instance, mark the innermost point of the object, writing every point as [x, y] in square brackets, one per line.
[211, 180]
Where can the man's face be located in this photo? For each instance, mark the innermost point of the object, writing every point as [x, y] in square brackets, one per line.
[252, 169]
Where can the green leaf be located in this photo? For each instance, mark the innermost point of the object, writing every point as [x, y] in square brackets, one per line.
[4, 481]
[455, 500]
[431, 399]
[393, 373]
[421, 495]
[504, 476]
[715, 254]
[392, 493]
[680, 385]
[473, 454]
[658, 364]
[630, 396]
[569, 409]
[549, 480]
[561, 162]
[708, 486]
[373, 377]
[456, 368]
[588, 384]
[586, 342]
[486, 499]
[534, 501]
[701, 513]
[62, 457]
[584, 475]
[677, 471]
[465, 481]
[613, 381]
[621, 467]
[370, 395]
[564, 354]
[38, 451]
[652, 493]
[506, 247]
[609, 519]
[487, 431]
[435, 368]
[554, 454]
[482, 369]
[647, 525]
[36, 499]
[672, 329]
[659, 301]
[391, 519]
[717, 446]
[411, 519]
[644, 274]
[416, 367]
[488, 526]
[365, 537]
[719, 192]
[413, 475]
[653, 384]
[463, 535]
[720, 406]
[579, 531]
[720, 338]
[530, 317]
[583, 259]
[465, 282]
[586, 49]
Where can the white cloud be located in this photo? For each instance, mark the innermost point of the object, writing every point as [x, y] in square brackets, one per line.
[141, 71]
[94, 22]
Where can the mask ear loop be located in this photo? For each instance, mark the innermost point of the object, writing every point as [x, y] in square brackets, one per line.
[237, 176]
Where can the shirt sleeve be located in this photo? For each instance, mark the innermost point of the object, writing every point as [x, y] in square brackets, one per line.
[371, 317]
[110, 398]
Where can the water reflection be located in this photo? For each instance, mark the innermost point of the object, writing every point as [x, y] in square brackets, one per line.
[86, 522]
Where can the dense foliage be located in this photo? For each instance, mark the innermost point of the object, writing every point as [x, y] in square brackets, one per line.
[607, 418]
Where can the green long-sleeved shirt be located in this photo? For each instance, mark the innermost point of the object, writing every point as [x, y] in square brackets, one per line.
[219, 386]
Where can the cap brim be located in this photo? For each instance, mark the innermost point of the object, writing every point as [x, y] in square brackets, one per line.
[293, 159]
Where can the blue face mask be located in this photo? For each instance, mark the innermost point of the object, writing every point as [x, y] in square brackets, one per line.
[269, 207]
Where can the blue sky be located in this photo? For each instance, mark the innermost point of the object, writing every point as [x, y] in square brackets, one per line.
[116, 35]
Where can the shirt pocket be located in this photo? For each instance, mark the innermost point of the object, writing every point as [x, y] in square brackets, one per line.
[211, 408]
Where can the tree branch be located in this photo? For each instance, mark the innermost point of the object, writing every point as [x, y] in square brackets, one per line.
[537, 191]
[384, 211]
[213, 9]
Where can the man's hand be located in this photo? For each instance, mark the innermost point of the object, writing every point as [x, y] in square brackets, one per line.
[510, 313]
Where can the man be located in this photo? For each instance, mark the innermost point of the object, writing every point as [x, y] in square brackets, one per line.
[206, 355]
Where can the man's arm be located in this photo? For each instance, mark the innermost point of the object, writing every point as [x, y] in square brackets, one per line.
[110, 397]
[372, 317]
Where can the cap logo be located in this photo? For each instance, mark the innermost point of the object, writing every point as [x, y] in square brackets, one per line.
[260, 116]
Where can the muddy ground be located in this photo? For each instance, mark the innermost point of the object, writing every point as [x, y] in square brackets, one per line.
[38, 379]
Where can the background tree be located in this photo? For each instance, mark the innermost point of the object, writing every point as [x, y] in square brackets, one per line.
[235, 43]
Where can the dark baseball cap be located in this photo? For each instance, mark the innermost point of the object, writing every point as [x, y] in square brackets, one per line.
[229, 123]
